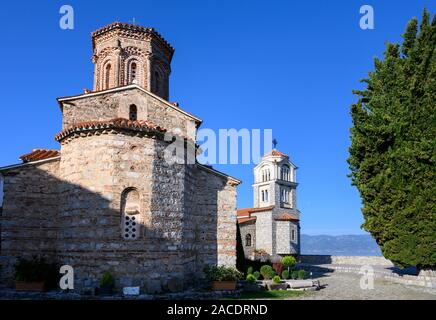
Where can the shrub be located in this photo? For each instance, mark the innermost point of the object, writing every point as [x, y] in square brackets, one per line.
[250, 270]
[289, 262]
[250, 278]
[285, 274]
[37, 269]
[301, 274]
[272, 274]
[276, 279]
[222, 273]
[256, 274]
[294, 275]
[265, 271]
[107, 280]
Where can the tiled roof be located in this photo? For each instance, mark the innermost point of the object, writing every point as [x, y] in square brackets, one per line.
[118, 123]
[286, 217]
[277, 153]
[247, 211]
[242, 220]
[40, 154]
[131, 27]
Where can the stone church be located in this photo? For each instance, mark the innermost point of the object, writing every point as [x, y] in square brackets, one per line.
[109, 201]
[272, 226]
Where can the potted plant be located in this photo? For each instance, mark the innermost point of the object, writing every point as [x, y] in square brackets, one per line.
[277, 284]
[106, 284]
[222, 277]
[34, 274]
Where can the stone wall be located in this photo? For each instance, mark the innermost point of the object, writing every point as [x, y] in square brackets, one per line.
[96, 171]
[351, 260]
[29, 214]
[248, 228]
[264, 231]
[215, 219]
[116, 105]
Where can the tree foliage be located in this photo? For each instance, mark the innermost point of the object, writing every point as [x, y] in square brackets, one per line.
[392, 152]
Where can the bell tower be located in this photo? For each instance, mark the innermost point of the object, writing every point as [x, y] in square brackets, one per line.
[130, 54]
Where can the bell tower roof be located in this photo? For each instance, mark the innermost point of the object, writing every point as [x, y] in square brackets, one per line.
[130, 30]
[125, 54]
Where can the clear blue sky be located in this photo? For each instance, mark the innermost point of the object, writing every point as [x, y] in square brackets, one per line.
[285, 65]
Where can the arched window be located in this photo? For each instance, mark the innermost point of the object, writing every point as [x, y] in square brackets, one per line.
[133, 113]
[107, 76]
[248, 240]
[133, 71]
[266, 195]
[130, 214]
[263, 196]
[285, 173]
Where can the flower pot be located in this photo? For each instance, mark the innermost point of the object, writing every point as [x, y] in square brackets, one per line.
[277, 286]
[29, 286]
[106, 290]
[223, 285]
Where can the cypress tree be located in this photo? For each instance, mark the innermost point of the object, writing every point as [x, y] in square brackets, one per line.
[393, 148]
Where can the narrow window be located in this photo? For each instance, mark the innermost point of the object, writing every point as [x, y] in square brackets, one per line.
[266, 195]
[248, 240]
[130, 214]
[263, 196]
[133, 113]
[293, 235]
[133, 72]
[107, 76]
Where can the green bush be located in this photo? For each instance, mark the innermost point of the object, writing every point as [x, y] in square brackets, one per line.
[222, 273]
[285, 274]
[289, 262]
[256, 274]
[301, 274]
[294, 274]
[250, 270]
[37, 269]
[107, 280]
[250, 278]
[272, 274]
[276, 279]
[265, 271]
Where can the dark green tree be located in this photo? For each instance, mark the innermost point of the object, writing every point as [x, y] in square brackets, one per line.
[393, 148]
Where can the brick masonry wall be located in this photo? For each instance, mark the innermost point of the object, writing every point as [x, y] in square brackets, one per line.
[28, 219]
[116, 105]
[72, 209]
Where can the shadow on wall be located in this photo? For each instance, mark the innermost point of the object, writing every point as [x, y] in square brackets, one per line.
[43, 215]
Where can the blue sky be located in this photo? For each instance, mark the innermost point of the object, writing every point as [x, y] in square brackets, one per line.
[285, 65]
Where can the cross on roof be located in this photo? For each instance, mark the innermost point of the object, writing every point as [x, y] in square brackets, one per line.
[133, 21]
[275, 142]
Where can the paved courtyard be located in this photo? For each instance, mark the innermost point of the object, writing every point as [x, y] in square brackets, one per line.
[339, 285]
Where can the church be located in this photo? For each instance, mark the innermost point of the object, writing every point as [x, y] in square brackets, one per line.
[272, 226]
[108, 200]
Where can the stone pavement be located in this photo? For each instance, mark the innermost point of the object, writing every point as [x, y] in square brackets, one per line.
[346, 286]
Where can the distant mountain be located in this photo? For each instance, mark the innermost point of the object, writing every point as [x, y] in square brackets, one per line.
[346, 245]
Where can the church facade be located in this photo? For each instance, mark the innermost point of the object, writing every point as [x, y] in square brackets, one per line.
[108, 200]
[272, 225]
